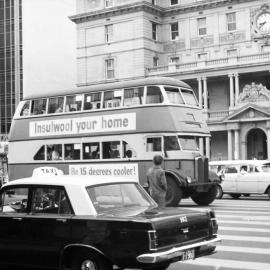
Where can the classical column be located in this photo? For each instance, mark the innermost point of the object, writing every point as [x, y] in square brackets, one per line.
[200, 91]
[201, 146]
[205, 93]
[207, 147]
[230, 156]
[236, 144]
[236, 88]
[268, 143]
[231, 91]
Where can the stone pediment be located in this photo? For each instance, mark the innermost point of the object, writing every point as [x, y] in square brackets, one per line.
[249, 112]
[253, 93]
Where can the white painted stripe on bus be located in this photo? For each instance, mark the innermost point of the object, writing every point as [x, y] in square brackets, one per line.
[245, 217]
[265, 251]
[231, 264]
[263, 223]
[242, 229]
[245, 238]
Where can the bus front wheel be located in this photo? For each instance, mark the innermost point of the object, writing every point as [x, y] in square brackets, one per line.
[174, 192]
[205, 198]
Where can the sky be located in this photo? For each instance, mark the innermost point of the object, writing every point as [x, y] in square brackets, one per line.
[49, 45]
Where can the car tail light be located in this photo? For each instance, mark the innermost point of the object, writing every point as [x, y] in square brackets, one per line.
[152, 235]
[213, 222]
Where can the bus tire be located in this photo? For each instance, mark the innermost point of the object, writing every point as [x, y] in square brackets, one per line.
[205, 198]
[268, 192]
[235, 195]
[219, 192]
[174, 192]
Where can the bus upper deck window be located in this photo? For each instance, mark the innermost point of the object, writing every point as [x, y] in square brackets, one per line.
[56, 105]
[153, 144]
[153, 95]
[73, 103]
[25, 109]
[171, 143]
[112, 99]
[133, 96]
[174, 95]
[38, 106]
[92, 101]
[189, 97]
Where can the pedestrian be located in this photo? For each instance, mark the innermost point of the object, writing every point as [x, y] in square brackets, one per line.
[157, 181]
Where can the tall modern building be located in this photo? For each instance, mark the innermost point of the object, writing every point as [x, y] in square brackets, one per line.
[10, 62]
[220, 47]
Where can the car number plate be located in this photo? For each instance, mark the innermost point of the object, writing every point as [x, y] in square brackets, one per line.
[188, 255]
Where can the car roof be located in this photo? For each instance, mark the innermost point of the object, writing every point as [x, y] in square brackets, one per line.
[68, 180]
[234, 162]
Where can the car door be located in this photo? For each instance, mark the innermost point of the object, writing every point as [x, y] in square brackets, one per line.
[230, 175]
[247, 180]
[48, 225]
[13, 237]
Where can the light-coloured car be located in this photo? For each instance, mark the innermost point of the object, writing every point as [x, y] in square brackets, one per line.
[242, 177]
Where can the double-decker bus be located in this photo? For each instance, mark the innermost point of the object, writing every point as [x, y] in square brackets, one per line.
[115, 129]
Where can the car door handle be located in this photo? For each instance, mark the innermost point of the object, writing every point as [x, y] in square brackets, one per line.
[64, 220]
[17, 218]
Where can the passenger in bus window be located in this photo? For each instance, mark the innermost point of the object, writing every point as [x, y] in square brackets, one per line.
[25, 109]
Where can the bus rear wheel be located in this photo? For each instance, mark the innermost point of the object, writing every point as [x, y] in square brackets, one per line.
[205, 198]
[174, 192]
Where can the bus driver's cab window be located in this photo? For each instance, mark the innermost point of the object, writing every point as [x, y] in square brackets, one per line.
[153, 144]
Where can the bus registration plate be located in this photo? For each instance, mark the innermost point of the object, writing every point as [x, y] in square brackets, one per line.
[188, 255]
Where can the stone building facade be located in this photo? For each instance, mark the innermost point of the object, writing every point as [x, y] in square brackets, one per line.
[220, 47]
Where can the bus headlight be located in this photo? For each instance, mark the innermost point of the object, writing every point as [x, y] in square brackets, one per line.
[189, 180]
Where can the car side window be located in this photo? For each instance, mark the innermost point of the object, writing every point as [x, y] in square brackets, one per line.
[50, 201]
[231, 169]
[14, 200]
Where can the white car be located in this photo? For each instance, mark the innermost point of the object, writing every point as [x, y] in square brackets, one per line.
[242, 177]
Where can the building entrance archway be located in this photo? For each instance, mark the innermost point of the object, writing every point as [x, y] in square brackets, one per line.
[256, 144]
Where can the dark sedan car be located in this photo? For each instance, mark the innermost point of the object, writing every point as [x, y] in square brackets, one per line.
[77, 223]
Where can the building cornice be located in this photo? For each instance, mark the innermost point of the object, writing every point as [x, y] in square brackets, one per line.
[153, 9]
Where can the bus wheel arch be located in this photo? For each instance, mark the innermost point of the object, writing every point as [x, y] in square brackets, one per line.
[174, 190]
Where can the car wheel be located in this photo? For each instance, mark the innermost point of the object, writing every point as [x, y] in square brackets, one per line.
[174, 192]
[219, 192]
[268, 192]
[205, 198]
[89, 261]
[235, 196]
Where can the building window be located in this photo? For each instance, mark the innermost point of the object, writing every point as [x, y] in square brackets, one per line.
[109, 66]
[202, 26]
[174, 60]
[202, 56]
[174, 31]
[231, 21]
[232, 53]
[154, 31]
[108, 33]
[155, 61]
[108, 3]
[174, 2]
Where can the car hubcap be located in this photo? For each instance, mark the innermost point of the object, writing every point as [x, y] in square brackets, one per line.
[88, 265]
